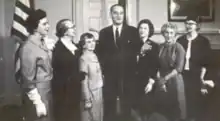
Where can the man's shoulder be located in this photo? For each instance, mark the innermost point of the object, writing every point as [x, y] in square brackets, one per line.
[131, 27]
[106, 28]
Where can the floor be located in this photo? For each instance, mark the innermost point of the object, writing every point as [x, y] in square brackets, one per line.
[13, 113]
[10, 113]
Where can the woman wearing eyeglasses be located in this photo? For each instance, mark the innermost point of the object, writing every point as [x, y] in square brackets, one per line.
[66, 85]
[196, 62]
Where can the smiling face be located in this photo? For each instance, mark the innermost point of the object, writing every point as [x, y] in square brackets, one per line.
[169, 34]
[71, 29]
[117, 14]
[89, 44]
[43, 26]
[191, 26]
[144, 30]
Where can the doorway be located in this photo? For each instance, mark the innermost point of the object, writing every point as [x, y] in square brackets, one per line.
[92, 15]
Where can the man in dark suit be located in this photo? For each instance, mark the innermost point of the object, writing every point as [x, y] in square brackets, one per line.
[117, 50]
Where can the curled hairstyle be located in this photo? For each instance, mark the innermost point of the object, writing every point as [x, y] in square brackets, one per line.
[61, 27]
[150, 25]
[168, 25]
[83, 38]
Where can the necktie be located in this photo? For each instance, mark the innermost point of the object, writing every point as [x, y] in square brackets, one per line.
[188, 55]
[117, 37]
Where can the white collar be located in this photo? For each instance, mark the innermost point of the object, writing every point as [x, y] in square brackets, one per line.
[119, 28]
[50, 43]
[69, 45]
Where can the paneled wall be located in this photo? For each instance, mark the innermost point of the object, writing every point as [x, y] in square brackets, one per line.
[156, 10]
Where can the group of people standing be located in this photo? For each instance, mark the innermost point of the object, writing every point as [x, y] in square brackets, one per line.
[124, 71]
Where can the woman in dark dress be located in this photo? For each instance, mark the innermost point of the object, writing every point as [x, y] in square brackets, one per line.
[147, 67]
[212, 109]
[36, 70]
[66, 84]
[170, 96]
[196, 61]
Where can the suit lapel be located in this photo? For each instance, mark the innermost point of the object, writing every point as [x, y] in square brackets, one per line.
[111, 33]
[123, 34]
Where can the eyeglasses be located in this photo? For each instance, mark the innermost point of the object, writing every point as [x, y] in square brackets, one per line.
[190, 23]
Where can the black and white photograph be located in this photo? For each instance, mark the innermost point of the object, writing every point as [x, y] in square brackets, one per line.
[109, 60]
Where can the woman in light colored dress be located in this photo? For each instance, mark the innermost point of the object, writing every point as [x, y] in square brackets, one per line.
[36, 69]
[170, 96]
[92, 83]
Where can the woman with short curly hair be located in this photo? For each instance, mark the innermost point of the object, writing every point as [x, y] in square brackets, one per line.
[170, 92]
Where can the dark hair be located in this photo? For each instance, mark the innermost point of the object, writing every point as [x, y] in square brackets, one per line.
[34, 19]
[83, 37]
[61, 28]
[149, 23]
[112, 7]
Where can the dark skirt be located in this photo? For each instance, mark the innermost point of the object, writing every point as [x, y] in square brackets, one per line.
[171, 103]
[194, 97]
[66, 100]
[143, 103]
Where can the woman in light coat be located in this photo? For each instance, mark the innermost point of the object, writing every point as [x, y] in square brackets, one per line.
[36, 69]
